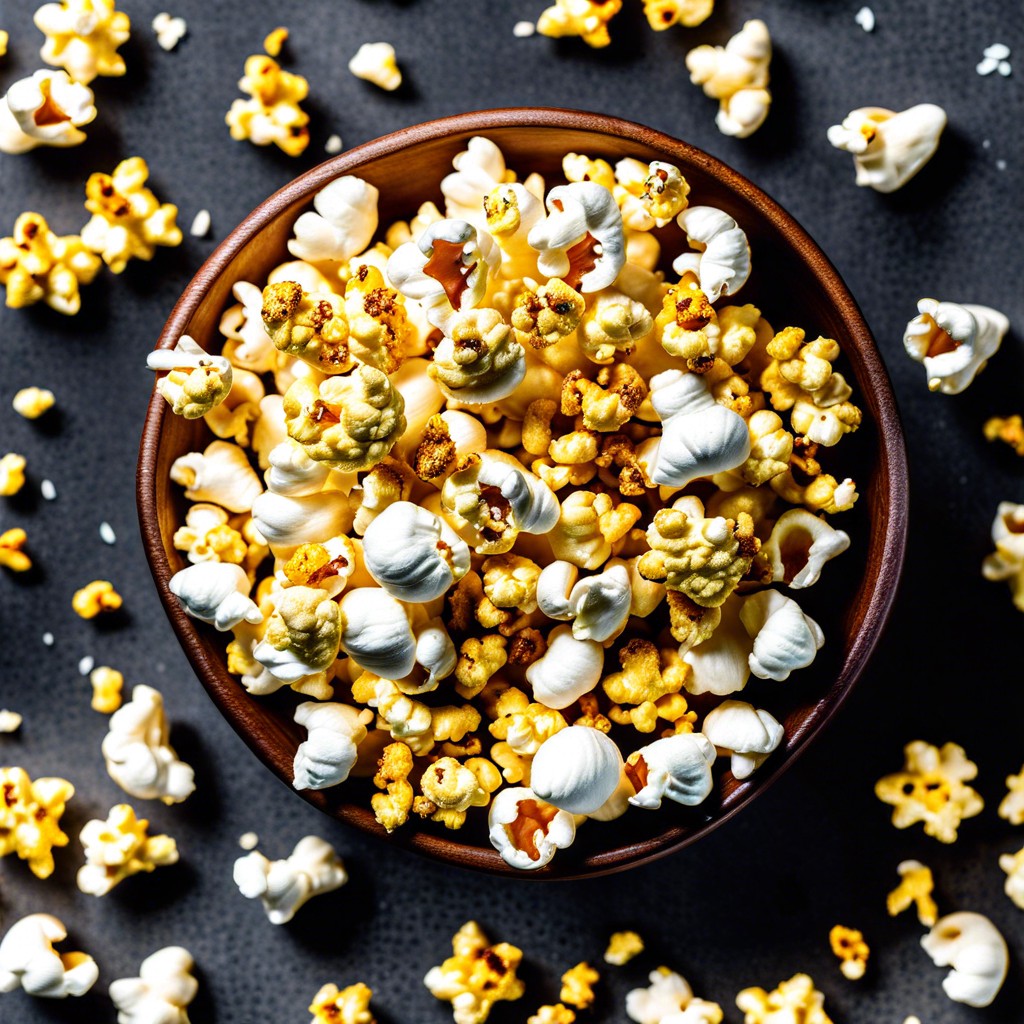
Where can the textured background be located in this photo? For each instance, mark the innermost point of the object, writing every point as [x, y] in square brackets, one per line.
[751, 904]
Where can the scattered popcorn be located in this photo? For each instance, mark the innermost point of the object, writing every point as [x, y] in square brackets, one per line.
[169, 31]
[85, 665]
[848, 944]
[11, 555]
[82, 36]
[663, 14]
[201, 222]
[327, 755]
[375, 62]
[350, 1005]
[30, 814]
[95, 598]
[106, 689]
[577, 985]
[669, 998]
[932, 788]
[36, 264]
[12, 474]
[120, 847]
[523, 29]
[476, 976]
[283, 886]
[272, 114]
[4, 40]
[33, 402]
[587, 19]
[794, 1000]
[10, 721]
[1009, 430]
[215, 592]
[47, 109]
[995, 58]
[915, 888]
[333, 145]
[29, 961]
[622, 947]
[1013, 865]
[107, 534]
[162, 992]
[1012, 805]
[865, 17]
[889, 148]
[556, 1014]
[974, 948]
[1007, 561]
[47, 490]
[139, 758]
[273, 42]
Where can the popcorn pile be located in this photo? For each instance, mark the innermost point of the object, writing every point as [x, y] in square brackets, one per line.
[520, 491]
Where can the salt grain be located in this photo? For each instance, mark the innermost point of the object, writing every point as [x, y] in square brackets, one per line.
[107, 534]
[865, 17]
[48, 639]
[333, 145]
[523, 29]
[47, 490]
[86, 665]
[200, 224]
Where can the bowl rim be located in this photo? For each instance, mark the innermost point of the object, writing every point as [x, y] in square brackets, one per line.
[892, 478]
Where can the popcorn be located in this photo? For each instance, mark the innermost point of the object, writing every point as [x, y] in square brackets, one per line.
[478, 360]
[1013, 865]
[606, 403]
[302, 635]
[974, 948]
[524, 725]
[598, 606]
[128, 221]
[663, 14]
[12, 474]
[622, 947]
[476, 976]
[207, 537]
[47, 109]
[328, 753]
[29, 961]
[138, 756]
[585, 18]
[932, 788]
[889, 148]
[311, 327]
[272, 114]
[379, 329]
[31, 403]
[1009, 429]
[274, 40]
[391, 807]
[10, 721]
[556, 1014]
[677, 767]
[162, 991]
[747, 733]
[30, 818]
[915, 888]
[642, 679]
[83, 36]
[848, 944]
[796, 999]
[350, 1005]
[1007, 561]
[118, 848]
[954, 342]
[669, 998]
[196, 382]
[526, 831]
[542, 316]
[579, 770]
[737, 76]
[785, 639]
[216, 593]
[577, 985]
[799, 546]
[375, 62]
[479, 659]
[106, 689]
[11, 555]
[343, 224]
[568, 669]
[169, 31]
[5, 39]
[451, 788]
[95, 598]
[1012, 805]
[588, 525]
[37, 264]
[376, 632]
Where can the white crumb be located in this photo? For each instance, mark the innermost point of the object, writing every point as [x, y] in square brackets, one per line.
[996, 58]
[1000, 165]
[865, 17]
[48, 639]
[47, 490]
[86, 665]
[200, 224]
[333, 145]
[107, 534]
[10, 721]
[523, 29]
[249, 841]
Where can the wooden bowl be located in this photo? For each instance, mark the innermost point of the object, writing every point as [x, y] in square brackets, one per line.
[792, 281]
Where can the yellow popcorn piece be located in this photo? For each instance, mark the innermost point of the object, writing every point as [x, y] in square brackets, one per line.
[687, 325]
[479, 659]
[305, 628]
[587, 19]
[543, 317]
[451, 789]
[476, 976]
[848, 944]
[771, 448]
[207, 537]
[4, 40]
[37, 265]
[1013, 865]
[1007, 561]
[1011, 807]
[33, 402]
[350, 1005]
[118, 848]
[94, 598]
[379, 327]
[391, 808]
[12, 474]
[703, 558]
[107, 684]
[622, 947]
[588, 525]
[795, 1000]
[932, 789]
[1009, 430]
[578, 167]
[522, 724]
[30, 813]
[618, 453]
[577, 985]
[606, 403]
[916, 885]
[273, 41]
[128, 221]
[272, 114]
[552, 1014]
[436, 452]
[663, 14]
[82, 36]
[510, 581]
[641, 679]
[312, 327]
[808, 365]
[11, 555]
[580, 446]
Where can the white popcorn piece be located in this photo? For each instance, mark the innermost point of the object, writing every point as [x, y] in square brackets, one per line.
[523, 29]
[342, 226]
[293, 473]
[220, 474]
[413, 554]
[889, 148]
[598, 606]
[667, 995]
[479, 169]
[29, 961]
[48, 490]
[865, 17]
[974, 948]
[578, 770]
[283, 886]
[1013, 865]
[525, 830]
[196, 382]
[216, 593]
[285, 521]
[568, 669]
[162, 991]
[248, 344]
[699, 437]
[785, 639]
[46, 109]
[995, 58]
[676, 768]
[722, 262]
[201, 224]
[376, 633]
[799, 546]
[333, 146]
[169, 30]
[581, 240]
[248, 841]
[954, 342]
[435, 654]
[375, 62]
[10, 721]
[106, 532]
[721, 664]
[137, 752]
[327, 755]
[748, 734]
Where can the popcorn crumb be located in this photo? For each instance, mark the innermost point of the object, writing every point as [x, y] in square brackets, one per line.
[85, 665]
[200, 224]
[273, 42]
[916, 884]
[47, 490]
[107, 534]
[11, 555]
[1000, 165]
[995, 58]
[12, 474]
[375, 62]
[333, 145]
[1010, 430]
[848, 944]
[169, 31]
[248, 840]
[1012, 805]
[10, 721]
[622, 947]
[865, 17]
[523, 29]
[95, 597]
[33, 402]
[48, 639]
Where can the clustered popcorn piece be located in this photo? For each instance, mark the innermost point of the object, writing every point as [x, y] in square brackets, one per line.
[1007, 561]
[46, 109]
[195, 382]
[30, 814]
[162, 991]
[28, 960]
[118, 848]
[793, 1000]
[1008, 429]
[577, 985]
[83, 36]
[375, 62]
[669, 998]
[849, 946]
[350, 1005]
[587, 19]
[169, 30]
[272, 114]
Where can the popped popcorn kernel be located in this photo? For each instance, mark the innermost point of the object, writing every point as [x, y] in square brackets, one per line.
[120, 847]
[622, 947]
[669, 997]
[1009, 430]
[350, 1005]
[162, 992]
[794, 1000]
[578, 167]
[587, 19]
[94, 598]
[451, 789]
[107, 684]
[10, 721]
[169, 30]
[272, 114]
[273, 41]
[476, 976]
[12, 474]
[30, 813]
[554, 1014]
[33, 402]
[932, 789]
[1007, 561]
[663, 14]
[1013, 865]
[207, 537]
[479, 659]
[375, 62]
[128, 221]
[82, 36]
[848, 944]
[11, 555]
[543, 316]
[312, 327]
[391, 808]
[45, 109]
[1011, 807]
[606, 403]
[29, 961]
[4, 40]
[642, 679]
[577, 985]
[915, 888]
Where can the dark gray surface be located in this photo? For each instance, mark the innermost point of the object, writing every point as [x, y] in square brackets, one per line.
[751, 904]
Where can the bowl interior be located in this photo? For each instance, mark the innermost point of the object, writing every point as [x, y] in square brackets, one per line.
[792, 282]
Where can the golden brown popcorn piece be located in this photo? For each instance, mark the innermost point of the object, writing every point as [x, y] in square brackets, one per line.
[95, 598]
[450, 789]
[107, 684]
[576, 448]
[607, 403]
[479, 659]
[82, 36]
[552, 1014]
[274, 40]
[618, 451]
[545, 316]
[435, 454]
[807, 366]
[312, 327]
[527, 646]
[848, 944]
[691, 624]
[537, 431]
[915, 889]
[590, 714]
[796, 999]
[30, 813]
[510, 581]
[272, 114]
[522, 724]
[641, 679]
[1009, 430]
[663, 14]
[350, 1005]
[622, 947]
[378, 325]
[577, 985]
[587, 19]
[11, 554]
[686, 325]
[578, 167]
[468, 604]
